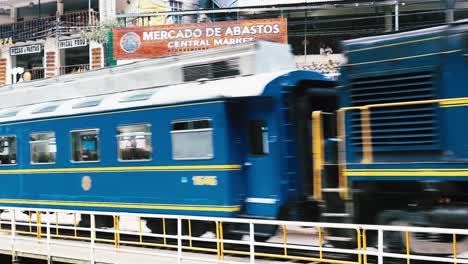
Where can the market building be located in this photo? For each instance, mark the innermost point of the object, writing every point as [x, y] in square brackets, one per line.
[314, 28]
[41, 38]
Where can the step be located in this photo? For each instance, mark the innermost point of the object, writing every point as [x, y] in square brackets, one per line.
[333, 190]
[343, 239]
[336, 215]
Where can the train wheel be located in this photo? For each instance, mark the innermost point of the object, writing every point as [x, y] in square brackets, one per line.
[393, 241]
[197, 228]
[155, 225]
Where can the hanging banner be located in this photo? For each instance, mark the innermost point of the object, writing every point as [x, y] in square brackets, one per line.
[158, 41]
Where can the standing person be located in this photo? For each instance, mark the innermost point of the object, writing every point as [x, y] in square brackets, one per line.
[322, 48]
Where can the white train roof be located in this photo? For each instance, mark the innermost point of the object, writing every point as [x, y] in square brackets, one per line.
[149, 82]
[245, 86]
[253, 58]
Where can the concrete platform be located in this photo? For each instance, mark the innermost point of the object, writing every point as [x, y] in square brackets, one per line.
[69, 251]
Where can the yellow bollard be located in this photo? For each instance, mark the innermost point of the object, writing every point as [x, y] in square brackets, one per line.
[217, 240]
[454, 248]
[56, 224]
[116, 231]
[221, 236]
[358, 235]
[320, 242]
[164, 231]
[140, 229]
[38, 225]
[190, 232]
[364, 244]
[408, 261]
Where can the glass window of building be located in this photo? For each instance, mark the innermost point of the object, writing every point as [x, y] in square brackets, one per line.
[134, 142]
[192, 139]
[8, 150]
[176, 6]
[43, 148]
[85, 145]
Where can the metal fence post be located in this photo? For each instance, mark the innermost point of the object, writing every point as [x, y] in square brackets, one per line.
[49, 257]
[93, 236]
[179, 240]
[252, 243]
[380, 246]
[13, 235]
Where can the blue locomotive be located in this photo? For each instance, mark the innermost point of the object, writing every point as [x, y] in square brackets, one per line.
[403, 150]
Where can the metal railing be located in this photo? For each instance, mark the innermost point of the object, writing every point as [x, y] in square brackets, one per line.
[73, 68]
[46, 26]
[44, 227]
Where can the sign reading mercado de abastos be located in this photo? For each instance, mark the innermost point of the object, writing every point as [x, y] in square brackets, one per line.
[158, 41]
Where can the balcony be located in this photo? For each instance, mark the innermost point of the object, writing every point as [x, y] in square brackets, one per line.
[73, 69]
[37, 73]
[47, 26]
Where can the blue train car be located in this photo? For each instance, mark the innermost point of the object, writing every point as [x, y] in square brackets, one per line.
[221, 147]
[404, 148]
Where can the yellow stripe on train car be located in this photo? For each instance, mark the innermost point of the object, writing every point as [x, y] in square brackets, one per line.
[408, 172]
[126, 169]
[233, 208]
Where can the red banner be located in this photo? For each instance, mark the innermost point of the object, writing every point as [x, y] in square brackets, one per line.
[158, 41]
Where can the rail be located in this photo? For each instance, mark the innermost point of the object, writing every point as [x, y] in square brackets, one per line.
[44, 227]
[366, 130]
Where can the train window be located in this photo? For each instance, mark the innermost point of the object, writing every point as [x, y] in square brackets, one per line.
[8, 114]
[137, 97]
[89, 103]
[49, 108]
[43, 148]
[8, 150]
[192, 139]
[258, 137]
[85, 145]
[134, 142]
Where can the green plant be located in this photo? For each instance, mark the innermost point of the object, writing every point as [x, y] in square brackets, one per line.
[100, 32]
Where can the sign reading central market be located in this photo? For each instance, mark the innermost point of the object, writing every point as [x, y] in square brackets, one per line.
[157, 41]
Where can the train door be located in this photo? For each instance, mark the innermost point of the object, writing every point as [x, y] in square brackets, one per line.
[260, 168]
[312, 108]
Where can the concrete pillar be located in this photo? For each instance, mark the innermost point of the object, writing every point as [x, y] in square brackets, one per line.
[96, 57]
[13, 14]
[15, 259]
[397, 16]
[60, 7]
[6, 65]
[449, 15]
[388, 20]
[51, 57]
[107, 10]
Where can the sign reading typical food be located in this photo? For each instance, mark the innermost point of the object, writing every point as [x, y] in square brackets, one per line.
[72, 43]
[158, 41]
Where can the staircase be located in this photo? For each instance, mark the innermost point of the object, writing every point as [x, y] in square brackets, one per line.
[334, 209]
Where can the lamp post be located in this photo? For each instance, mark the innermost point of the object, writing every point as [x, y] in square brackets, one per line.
[39, 8]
